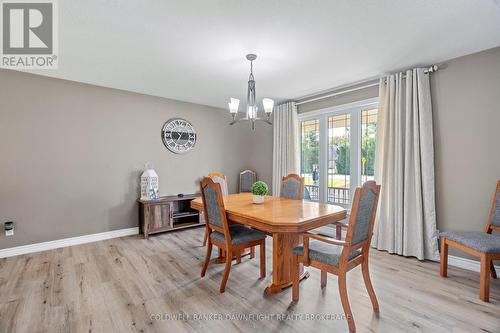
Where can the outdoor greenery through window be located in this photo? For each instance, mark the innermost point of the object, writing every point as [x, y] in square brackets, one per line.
[368, 133]
[338, 153]
[310, 157]
[339, 158]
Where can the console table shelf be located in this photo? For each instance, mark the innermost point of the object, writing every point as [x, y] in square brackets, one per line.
[168, 213]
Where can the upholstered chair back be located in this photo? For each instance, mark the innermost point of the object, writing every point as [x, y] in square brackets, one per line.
[495, 209]
[363, 212]
[292, 187]
[220, 179]
[247, 178]
[212, 202]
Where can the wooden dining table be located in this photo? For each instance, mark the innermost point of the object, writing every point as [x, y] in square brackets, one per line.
[283, 219]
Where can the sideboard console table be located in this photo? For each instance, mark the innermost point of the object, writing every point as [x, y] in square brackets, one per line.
[168, 213]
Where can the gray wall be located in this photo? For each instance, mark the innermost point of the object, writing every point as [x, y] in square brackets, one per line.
[466, 106]
[71, 155]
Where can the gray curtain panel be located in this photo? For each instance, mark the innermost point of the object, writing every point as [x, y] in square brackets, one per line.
[285, 143]
[406, 218]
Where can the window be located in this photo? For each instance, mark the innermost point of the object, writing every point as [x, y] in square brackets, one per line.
[338, 151]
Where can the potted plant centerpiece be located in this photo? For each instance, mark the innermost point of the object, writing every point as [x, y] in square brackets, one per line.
[259, 190]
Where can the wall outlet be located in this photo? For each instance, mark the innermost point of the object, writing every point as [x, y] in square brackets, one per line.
[9, 228]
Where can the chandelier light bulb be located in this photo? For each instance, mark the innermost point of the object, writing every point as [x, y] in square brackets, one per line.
[268, 105]
[233, 105]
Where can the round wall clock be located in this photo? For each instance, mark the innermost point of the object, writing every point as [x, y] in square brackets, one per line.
[178, 135]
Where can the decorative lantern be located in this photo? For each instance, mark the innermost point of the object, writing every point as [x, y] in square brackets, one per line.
[149, 183]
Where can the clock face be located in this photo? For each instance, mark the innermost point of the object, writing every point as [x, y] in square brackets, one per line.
[178, 136]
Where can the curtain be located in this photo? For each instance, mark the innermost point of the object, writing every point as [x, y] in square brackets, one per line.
[285, 143]
[406, 218]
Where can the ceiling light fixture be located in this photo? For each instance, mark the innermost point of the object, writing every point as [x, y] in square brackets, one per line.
[252, 111]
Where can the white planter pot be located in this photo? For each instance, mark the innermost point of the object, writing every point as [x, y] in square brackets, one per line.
[258, 199]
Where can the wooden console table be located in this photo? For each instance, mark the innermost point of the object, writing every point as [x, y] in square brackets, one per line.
[167, 214]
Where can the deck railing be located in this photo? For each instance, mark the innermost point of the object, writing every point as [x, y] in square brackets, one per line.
[339, 195]
[313, 192]
[336, 195]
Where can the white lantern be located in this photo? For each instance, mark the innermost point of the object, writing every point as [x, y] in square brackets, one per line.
[149, 179]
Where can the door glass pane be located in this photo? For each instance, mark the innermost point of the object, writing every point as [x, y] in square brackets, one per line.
[309, 166]
[368, 135]
[339, 151]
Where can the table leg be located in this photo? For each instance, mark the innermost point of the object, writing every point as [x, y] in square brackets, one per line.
[282, 262]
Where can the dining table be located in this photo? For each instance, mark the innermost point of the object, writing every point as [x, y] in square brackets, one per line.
[285, 220]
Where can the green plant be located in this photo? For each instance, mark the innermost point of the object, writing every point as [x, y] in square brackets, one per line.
[259, 188]
[310, 151]
[368, 149]
[342, 160]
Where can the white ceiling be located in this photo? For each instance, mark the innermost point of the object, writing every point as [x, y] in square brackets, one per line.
[195, 50]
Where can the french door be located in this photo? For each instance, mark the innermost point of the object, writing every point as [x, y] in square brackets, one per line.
[337, 151]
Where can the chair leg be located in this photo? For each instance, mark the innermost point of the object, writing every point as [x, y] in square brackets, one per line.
[238, 257]
[492, 269]
[295, 278]
[443, 271]
[207, 259]
[252, 252]
[262, 259]
[345, 302]
[221, 254]
[226, 272]
[338, 231]
[484, 278]
[324, 278]
[205, 237]
[368, 284]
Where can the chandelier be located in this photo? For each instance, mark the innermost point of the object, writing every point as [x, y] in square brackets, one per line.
[252, 112]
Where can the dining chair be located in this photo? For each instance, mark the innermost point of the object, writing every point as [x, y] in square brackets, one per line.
[333, 230]
[292, 187]
[337, 257]
[232, 238]
[484, 245]
[221, 179]
[247, 178]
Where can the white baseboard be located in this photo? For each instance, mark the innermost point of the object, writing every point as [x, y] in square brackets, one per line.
[38, 247]
[471, 265]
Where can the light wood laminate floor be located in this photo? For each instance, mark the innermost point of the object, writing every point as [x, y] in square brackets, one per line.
[124, 285]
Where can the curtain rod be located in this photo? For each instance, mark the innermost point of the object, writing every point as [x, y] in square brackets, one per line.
[429, 70]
